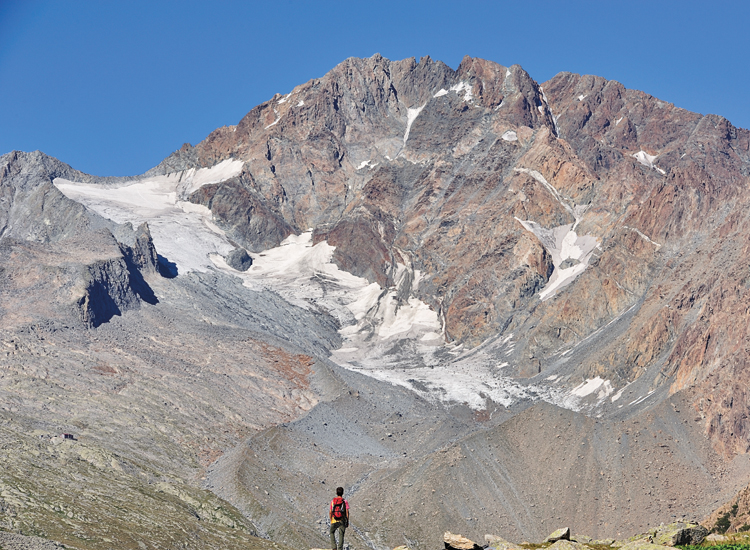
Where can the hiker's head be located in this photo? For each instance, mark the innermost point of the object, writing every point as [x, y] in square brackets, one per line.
[339, 491]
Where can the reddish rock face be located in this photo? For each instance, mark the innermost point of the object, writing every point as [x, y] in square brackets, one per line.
[414, 163]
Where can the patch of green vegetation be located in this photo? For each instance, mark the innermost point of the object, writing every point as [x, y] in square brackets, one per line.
[733, 511]
[744, 528]
[716, 547]
[722, 524]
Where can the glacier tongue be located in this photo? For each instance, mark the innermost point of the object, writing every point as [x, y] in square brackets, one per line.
[182, 232]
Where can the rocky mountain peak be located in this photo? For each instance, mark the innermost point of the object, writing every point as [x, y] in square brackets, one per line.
[477, 178]
[405, 276]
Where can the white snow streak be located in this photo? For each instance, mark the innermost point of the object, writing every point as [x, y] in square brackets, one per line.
[510, 135]
[647, 160]
[441, 93]
[411, 116]
[554, 118]
[275, 122]
[644, 237]
[549, 187]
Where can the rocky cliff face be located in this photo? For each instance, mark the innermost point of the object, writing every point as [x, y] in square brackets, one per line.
[542, 210]
[60, 260]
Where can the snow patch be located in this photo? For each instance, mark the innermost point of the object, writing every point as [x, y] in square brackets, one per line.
[554, 118]
[463, 87]
[648, 160]
[604, 387]
[411, 116]
[285, 98]
[182, 232]
[510, 135]
[582, 97]
[507, 73]
[618, 121]
[301, 103]
[367, 164]
[304, 274]
[562, 243]
[441, 93]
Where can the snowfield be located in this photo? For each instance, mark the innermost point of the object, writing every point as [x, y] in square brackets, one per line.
[182, 232]
[385, 336]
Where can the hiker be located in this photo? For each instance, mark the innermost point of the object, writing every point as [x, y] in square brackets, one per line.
[338, 514]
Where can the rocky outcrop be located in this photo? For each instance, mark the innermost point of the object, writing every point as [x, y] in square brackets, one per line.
[458, 542]
[560, 534]
[60, 260]
[239, 259]
[732, 517]
[661, 538]
[679, 534]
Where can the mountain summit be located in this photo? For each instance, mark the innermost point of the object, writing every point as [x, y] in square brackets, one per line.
[518, 270]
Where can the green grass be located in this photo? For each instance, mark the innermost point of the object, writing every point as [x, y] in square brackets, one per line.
[730, 546]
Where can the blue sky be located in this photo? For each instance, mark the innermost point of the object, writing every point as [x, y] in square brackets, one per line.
[113, 87]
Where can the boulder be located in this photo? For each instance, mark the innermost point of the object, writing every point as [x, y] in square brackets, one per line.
[584, 539]
[560, 534]
[457, 542]
[715, 537]
[239, 259]
[498, 543]
[680, 533]
[402, 547]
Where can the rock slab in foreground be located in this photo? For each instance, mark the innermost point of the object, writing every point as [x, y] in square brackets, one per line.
[457, 542]
[560, 534]
[680, 533]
